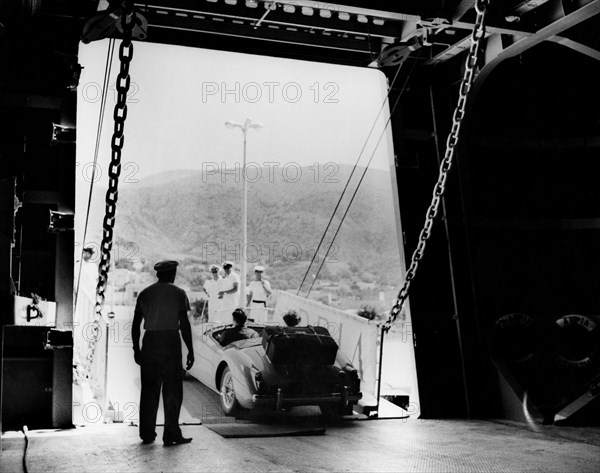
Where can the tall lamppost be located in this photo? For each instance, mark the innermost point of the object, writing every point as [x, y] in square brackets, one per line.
[244, 127]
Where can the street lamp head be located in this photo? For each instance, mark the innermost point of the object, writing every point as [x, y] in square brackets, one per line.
[248, 123]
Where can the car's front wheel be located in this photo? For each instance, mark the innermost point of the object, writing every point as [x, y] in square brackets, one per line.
[229, 402]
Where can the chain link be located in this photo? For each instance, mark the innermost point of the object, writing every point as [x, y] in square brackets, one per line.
[114, 171]
[477, 35]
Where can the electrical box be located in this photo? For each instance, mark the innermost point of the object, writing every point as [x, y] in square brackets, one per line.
[27, 378]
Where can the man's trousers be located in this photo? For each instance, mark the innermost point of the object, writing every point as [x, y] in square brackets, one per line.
[161, 367]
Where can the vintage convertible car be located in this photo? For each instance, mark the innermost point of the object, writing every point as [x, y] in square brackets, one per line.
[283, 367]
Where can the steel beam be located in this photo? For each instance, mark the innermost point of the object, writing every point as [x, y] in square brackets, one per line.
[550, 31]
[390, 29]
[190, 23]
[576, 46]
[553, 29]
[374, 12]
[463, 7]
[364, 36]
[453, 50]
[526, 5]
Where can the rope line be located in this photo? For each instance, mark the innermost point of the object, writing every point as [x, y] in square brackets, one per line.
[107, 71]
[365, 171]
[347, 184]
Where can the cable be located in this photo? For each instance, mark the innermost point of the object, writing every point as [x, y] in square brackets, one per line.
[24, 429]
[365, 171]
[107, 70]
[349, 179]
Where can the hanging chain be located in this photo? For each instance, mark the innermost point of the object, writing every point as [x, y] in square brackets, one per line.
[114, 171]
[439, 188]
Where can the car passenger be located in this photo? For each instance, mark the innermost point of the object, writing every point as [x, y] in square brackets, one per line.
[291, 318]
[239, 331]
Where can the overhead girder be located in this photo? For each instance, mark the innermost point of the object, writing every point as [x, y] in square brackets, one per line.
[551, 24]
[366, 32]
[161, 18]
[562, 23]
[341, 29]
[501, 47]
[354, 34]
[350, 21]
[576, 46]
[463, 7]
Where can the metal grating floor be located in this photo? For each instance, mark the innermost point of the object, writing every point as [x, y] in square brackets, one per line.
[370, 446]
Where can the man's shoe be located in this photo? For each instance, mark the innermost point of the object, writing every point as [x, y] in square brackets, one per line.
[147, 441]
[180, 440]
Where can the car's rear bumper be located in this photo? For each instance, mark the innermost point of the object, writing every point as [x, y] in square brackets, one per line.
[282, 399]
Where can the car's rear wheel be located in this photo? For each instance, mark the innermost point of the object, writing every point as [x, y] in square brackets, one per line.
[229, 402]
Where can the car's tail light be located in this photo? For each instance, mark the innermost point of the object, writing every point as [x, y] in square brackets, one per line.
[351, 379]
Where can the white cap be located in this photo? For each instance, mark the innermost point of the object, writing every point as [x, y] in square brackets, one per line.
[259, 268]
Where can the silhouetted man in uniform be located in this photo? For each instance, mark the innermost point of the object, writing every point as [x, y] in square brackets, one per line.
[163, 306]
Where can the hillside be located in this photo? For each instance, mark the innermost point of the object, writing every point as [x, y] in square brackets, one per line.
[196, 219]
